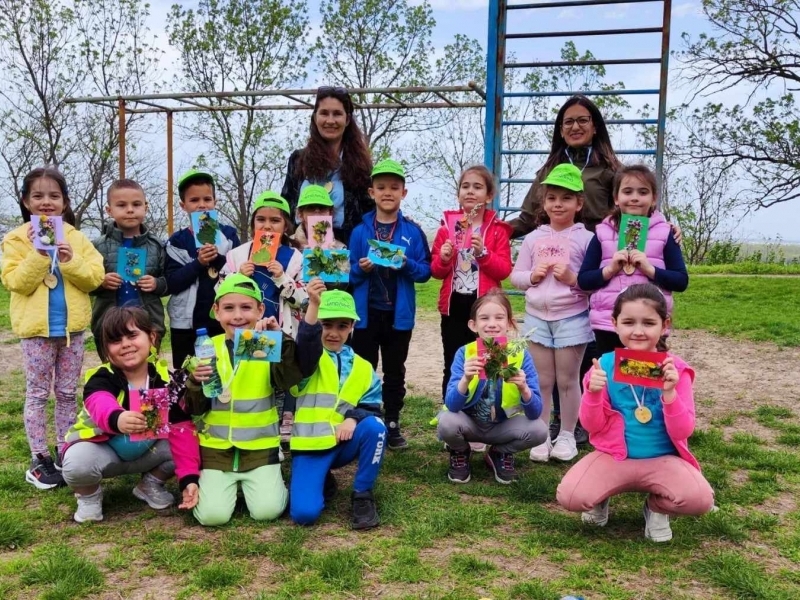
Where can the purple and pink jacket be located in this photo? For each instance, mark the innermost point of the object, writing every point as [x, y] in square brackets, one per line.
[606, 426]
[663, 253]
[550, 299]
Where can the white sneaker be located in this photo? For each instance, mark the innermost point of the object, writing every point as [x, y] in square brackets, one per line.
[541, 453]
[564, 448]
[598, 515]
[90, 507]
[656, 526]
[151, 490]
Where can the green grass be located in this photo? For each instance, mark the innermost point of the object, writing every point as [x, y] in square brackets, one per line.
[745, 268]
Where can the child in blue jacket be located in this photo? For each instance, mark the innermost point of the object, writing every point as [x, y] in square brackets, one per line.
[385, 296]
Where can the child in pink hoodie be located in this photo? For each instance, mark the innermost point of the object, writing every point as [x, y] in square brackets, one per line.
[640, 434]
[557, 311]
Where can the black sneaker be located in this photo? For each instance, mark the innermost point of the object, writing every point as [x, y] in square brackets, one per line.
[555, 427]
[43, 474]
[459, 471]
[581, 435]
[365, 514]
[502, 465]
[395, 439]
[330, 487]
[57, 458]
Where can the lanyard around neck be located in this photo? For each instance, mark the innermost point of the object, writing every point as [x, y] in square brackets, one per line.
[588, 158]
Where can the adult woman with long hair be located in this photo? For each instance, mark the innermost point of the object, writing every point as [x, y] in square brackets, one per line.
[336, 157]
[581, 138]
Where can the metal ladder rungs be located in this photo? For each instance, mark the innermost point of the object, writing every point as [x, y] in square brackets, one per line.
[581, 93]
[546, 152]
[608, 122]
[583, 32]
[584, 63]
[567, 4]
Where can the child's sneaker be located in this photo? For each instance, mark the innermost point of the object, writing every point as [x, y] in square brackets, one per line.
[151, 490]
[365, 513]
[90, 507]
[564, 448]
[43, 473]
[598, 515]
[459, 471]
[656, 525]
[395, 439]
[502, 465]
[541, 453]
[57, 458]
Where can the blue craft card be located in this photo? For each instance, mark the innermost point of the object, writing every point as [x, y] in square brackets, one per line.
[331, 266]
[249, 344]
[205, 225]
[384, 254]
[131, 263]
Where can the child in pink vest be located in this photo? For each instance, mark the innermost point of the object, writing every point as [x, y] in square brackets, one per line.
[607, 271]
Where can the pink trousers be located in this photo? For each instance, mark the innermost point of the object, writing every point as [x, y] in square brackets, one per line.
[675, 486]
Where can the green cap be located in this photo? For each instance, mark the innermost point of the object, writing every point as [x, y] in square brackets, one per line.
[389, 167]
[236, 283]
[272, 200]
[314, 195]
[194, 176]
[336, 304]
[565, 176]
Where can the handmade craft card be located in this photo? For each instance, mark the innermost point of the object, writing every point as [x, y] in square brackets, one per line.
[551, 251]
[48, 231]
[131, 263]
[154, 405]
[332, 266]
[384, 254]
[633, 232]
[320, 232]
[638, 367]
[493, 355]
[205, 225]
[265, 247]
[459, 228]
[249, 344]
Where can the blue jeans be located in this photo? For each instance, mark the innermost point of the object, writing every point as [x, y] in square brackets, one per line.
[310, 468]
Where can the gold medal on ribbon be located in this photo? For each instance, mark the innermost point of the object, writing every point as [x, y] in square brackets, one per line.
[212, 272]
[225, 396]
[50, 281]
[328, 187]
[643, 414]
[629, 269]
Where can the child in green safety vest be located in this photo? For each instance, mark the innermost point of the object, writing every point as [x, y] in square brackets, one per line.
[338, 417]
[239, 436]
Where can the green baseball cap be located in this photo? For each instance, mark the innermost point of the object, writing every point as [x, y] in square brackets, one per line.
[314, 195]
[272, 200]
[389, 167]
[194, 176]
[236, 283]
[565, 176]
[336, 304]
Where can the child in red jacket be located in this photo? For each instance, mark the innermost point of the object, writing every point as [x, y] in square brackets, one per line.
[467, 274]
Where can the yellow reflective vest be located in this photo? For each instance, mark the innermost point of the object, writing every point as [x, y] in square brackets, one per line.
[511, 401]
[321, 404]
[250, 420]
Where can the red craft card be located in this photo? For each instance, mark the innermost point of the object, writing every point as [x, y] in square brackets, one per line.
[154, 404]
[458, 228]
[482, 351]
[638, 367]
[265, 247]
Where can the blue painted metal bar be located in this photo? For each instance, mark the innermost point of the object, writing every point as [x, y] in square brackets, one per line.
[580, 33]
[608, 122]
[662, 96]
[584, 93]
[568, 3]
[649, 152]
[584, 63]
[495, 84]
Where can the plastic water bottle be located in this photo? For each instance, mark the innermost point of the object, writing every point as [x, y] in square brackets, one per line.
[207, 355]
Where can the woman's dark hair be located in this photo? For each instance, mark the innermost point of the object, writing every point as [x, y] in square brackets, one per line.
[602, 151]
[540, 215]
[45, 173]
[650, 294]
[316, 161]
[496, 296]
[288, 227]
[119, 321]
[485, 174]
[643, 174]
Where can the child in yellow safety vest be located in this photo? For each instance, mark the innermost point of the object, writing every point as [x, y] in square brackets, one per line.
[338, 417]
[239, 436]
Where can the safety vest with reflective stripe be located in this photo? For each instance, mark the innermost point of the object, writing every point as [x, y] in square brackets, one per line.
[321, 404]
[250, 420]
[85, 428]
[510, 399]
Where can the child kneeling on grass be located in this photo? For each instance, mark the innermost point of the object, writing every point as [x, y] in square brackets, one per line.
[338, 418]
[98, 444]
[508, 418]
[640, 434]
[239, 438]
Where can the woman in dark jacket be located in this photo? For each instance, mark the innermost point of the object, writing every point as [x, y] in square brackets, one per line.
[336, 157]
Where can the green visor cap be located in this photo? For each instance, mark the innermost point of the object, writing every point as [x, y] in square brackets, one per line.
[272, 200]
[565, 176]
[236, 283]
[336, 304]
[194, 176]
[314, 195]
[389, 167]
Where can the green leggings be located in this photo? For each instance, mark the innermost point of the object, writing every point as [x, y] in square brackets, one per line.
[264, 492]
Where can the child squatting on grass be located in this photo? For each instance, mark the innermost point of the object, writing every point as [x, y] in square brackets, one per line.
[640, 434]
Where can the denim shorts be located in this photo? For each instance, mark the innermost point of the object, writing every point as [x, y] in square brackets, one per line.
[572, 331]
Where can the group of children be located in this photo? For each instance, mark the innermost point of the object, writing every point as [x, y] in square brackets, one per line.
[335, 408]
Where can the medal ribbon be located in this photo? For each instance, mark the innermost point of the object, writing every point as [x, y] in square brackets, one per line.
[588, 157]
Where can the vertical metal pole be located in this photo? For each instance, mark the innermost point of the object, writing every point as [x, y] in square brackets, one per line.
[170, 224]
[495, 84]
[121, 113]
[662, 94]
